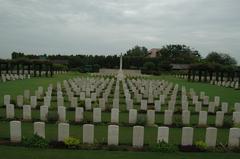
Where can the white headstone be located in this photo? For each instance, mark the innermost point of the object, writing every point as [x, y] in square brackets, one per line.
[39, 129]
[102, 103]
[33, 101]
[113, 134]
[157, 105]
[138, 136]
[61, 113]
[219, 118]
[74, 102]
[150, 117]
[233, 139]
[88, 104]
[168, 117]
[27, 115]
[63, 131]
[211, 107]
[114, 115]
[236, 118]
[187, 136]
[43, 113]
[198, 106]
[132, 116]
[224, 107]
[202, 120]
[78, 114]
[186, 117]
[10, 113]
[163, 134]
[7, 99]
[211, 137]
[143, 105]
[15, 131]
[88, 134]
[237, 107]
[97, 117]
[129, 103]
[20, 100]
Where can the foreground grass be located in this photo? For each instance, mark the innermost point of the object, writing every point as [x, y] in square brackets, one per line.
[20, 152]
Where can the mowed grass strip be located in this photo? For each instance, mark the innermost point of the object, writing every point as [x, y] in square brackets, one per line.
[21, 152]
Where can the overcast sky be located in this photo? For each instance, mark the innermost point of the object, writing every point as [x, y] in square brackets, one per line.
[113, 26]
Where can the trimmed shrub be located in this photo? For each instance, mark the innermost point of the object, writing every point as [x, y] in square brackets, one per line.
[201, 145]
[163, 147]
[72, 142]
[35, 141]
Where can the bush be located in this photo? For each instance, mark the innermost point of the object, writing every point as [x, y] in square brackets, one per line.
[72, 142]
[163, 147]
[35, 141]
[201, 145]
[52, 116]
[141, 120]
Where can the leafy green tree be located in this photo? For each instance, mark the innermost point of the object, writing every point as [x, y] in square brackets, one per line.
[149, 66]
[178, 54]
[137, 51]
[220, 58]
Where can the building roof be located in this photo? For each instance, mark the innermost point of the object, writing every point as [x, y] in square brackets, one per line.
[180, 66]
[153, 52]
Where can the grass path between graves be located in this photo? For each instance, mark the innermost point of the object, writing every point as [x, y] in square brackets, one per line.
[229, 95]
[20, 152]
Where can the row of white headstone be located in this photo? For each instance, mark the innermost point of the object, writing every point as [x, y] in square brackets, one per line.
[137, 134]
[225, 83]
[129, 102]
[97, 115]
[13, 77]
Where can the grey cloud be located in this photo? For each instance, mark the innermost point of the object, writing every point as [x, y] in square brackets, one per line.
[113, 26]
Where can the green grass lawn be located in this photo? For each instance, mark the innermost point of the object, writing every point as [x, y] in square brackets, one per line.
[15, 88]
[20, 152]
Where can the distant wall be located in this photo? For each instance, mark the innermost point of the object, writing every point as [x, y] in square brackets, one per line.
[115, 71]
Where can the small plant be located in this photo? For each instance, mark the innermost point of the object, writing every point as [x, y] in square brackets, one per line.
[72, 142]
[162, 146]
[35, 141]
[201, 145]
[141, 120]
[52, 116]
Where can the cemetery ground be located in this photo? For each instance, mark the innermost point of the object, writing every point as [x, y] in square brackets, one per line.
[15, 88]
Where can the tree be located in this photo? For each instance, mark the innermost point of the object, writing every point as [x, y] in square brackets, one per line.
[149, 66]
[179, 54]
[220, 58]
[137, 51]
